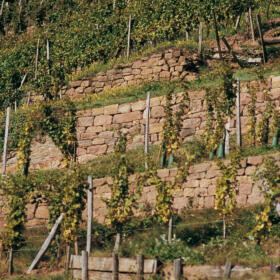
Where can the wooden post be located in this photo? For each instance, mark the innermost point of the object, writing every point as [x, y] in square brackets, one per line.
[90, 210]
[37, 57]
[187, 35]
[200, 38]
[231, 51]
[48, 55]
[67, 260]
[170, 230]
[238, 123]
[252, 24]
[261, 38]
[11, 261]
[2, 8]
[237, 21]
[177, 267]
[272, 267]
[4, 161]
[48, 50]
[22, 81]
[140, 267]
[84, 265]
[227, 270]
[147, 129]
[117, 243]
[76, 247]
[115, 268]
[128, 37]
[217, 34]
[46, 244]
[227, 128]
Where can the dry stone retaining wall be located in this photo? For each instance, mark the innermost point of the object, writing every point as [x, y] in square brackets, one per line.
[197, 192]
[167, 65]
[96, 136]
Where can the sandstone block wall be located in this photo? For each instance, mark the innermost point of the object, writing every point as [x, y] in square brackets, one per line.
[196, 193]
[167, 65]
[95, 127]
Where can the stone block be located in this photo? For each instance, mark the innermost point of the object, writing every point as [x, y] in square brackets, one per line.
[147, 71]
[212, 189]
[179, 68]
[84, 113]
[276, 82]
[84, 143]
[164, 75]
[191, 123]
[42, 212]
[124, 108]
[275, 94]
[180, 202]
[209, 201]
[98, 141]
[129, 78]
[189, 192]
[99, 182]
[86, 158]
[156, 101]
[185, 132]
[245, 188]
[85, 121]
[97, 111]
[202, 167]
[97, 150]
[88, 136]
[157, 69]
[163, 173]
[75, 84]
[138, 139]
[128, 117]
[94, 129]
[137, 64]
[256, 160]
[255, 197]
[85, 83]
[136, 71]
[111, 110]
[157, 112]
[138, 106]
[212, 174]
[168, 55]
[241, 200]
[81, 151]
[102, 120]
[250, 170]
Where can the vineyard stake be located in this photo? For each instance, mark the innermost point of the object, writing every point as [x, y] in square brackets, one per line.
[4, 162]
[45, 244]
[238, 124]
[252, 24]
[140, 267]
[227, 128]
[90, 210]
[261, 38]
[177, 268]
[200, 35]
[128, 37]
[217, 34]
[37, 58]
[84, 265]
[170, 230]
[231, 51]
[147, 129]
[11, 260]
[115, 270]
